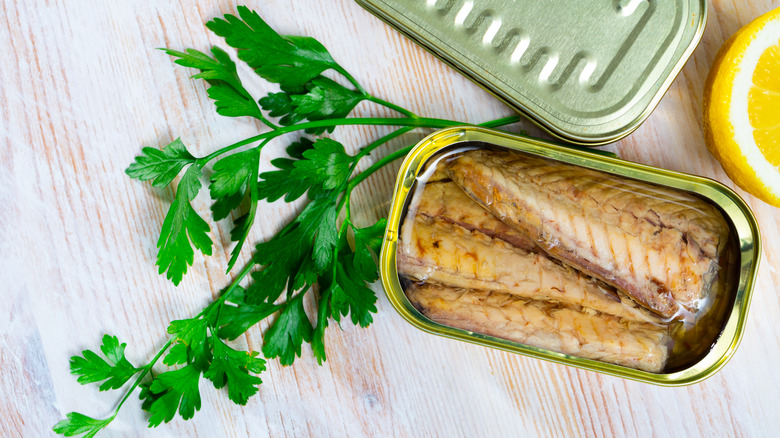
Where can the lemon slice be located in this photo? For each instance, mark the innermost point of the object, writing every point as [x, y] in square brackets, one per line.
[742, 107]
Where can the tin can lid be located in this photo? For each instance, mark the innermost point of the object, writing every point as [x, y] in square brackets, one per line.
[589, 72]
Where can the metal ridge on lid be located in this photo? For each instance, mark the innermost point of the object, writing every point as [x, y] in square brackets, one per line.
[589, 72]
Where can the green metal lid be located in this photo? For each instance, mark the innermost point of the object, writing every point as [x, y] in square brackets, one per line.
[588, 71]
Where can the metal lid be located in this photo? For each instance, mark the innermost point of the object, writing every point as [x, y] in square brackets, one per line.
[588, 71]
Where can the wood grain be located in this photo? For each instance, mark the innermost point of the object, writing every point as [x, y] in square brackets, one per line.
[82, 89]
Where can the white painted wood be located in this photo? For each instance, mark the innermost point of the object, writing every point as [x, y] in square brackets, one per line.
[82, 89]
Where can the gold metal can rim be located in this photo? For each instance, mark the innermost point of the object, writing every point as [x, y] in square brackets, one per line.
[732, 206]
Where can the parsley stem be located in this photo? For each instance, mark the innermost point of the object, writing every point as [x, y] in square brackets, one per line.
[378, 165]
[501, 122]
[402, 152]
[392, 106]
[265, 121]
[148, 367]
[144, 371]
[351, 79]
[250, 216]
[244, 272]
[203, 160]
[344, 202]
[219, 301]
[420, 122]
[342, 230]
[379, 142]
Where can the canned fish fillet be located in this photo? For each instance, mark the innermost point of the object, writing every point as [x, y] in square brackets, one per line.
[495, 243]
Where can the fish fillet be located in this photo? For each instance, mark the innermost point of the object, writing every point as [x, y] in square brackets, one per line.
[435, 170]
[447, 201]
[434, 250]
[573, 331]
[659, 245]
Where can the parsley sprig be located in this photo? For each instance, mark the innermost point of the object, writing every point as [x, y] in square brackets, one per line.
[316, 253]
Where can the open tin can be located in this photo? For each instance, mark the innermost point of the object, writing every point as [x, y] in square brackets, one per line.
[587, 71]
[700, 351]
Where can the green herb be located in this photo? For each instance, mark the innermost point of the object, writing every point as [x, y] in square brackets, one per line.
[290, 61]
[77, 424]
[225, 88]
[114, 371]
[181, 226]
[312, 250]
[162, 166]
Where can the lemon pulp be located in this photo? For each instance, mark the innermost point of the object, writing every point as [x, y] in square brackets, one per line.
[742, 107]
[764, 104]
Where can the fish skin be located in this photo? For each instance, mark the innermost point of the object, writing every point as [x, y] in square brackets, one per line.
[435, 250]
[570, 330]
[663, 245]
[435, 170]
[445, 200]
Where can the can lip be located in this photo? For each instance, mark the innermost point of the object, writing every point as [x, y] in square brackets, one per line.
[535, 102]
[732, 206]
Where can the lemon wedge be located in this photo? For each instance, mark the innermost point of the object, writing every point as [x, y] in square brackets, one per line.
[742, 107]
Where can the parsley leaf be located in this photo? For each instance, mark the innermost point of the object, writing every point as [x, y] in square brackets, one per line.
[368, 240]
[285, 60]
[350, 295]
[284, 257]
[323, 166]
[291, 328]
[233, 176]
[240, 315]
[230, 181]
[192, 333]
[318, 224]
[76, 424]
[116, 370]
[347, 293]
[281, 183]
[295, 257]
[318, 336]
[162, 166]
[178, 354]
[326, 99]
[231, 367]
[309, 254]
[240, 232]
[172, 391]
[225, 87]
[326, 164]
[323, 99]
[175, 253]
[281, 105]
[297, 148]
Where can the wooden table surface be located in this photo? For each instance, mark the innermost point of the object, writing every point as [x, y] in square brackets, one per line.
[82, 89]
